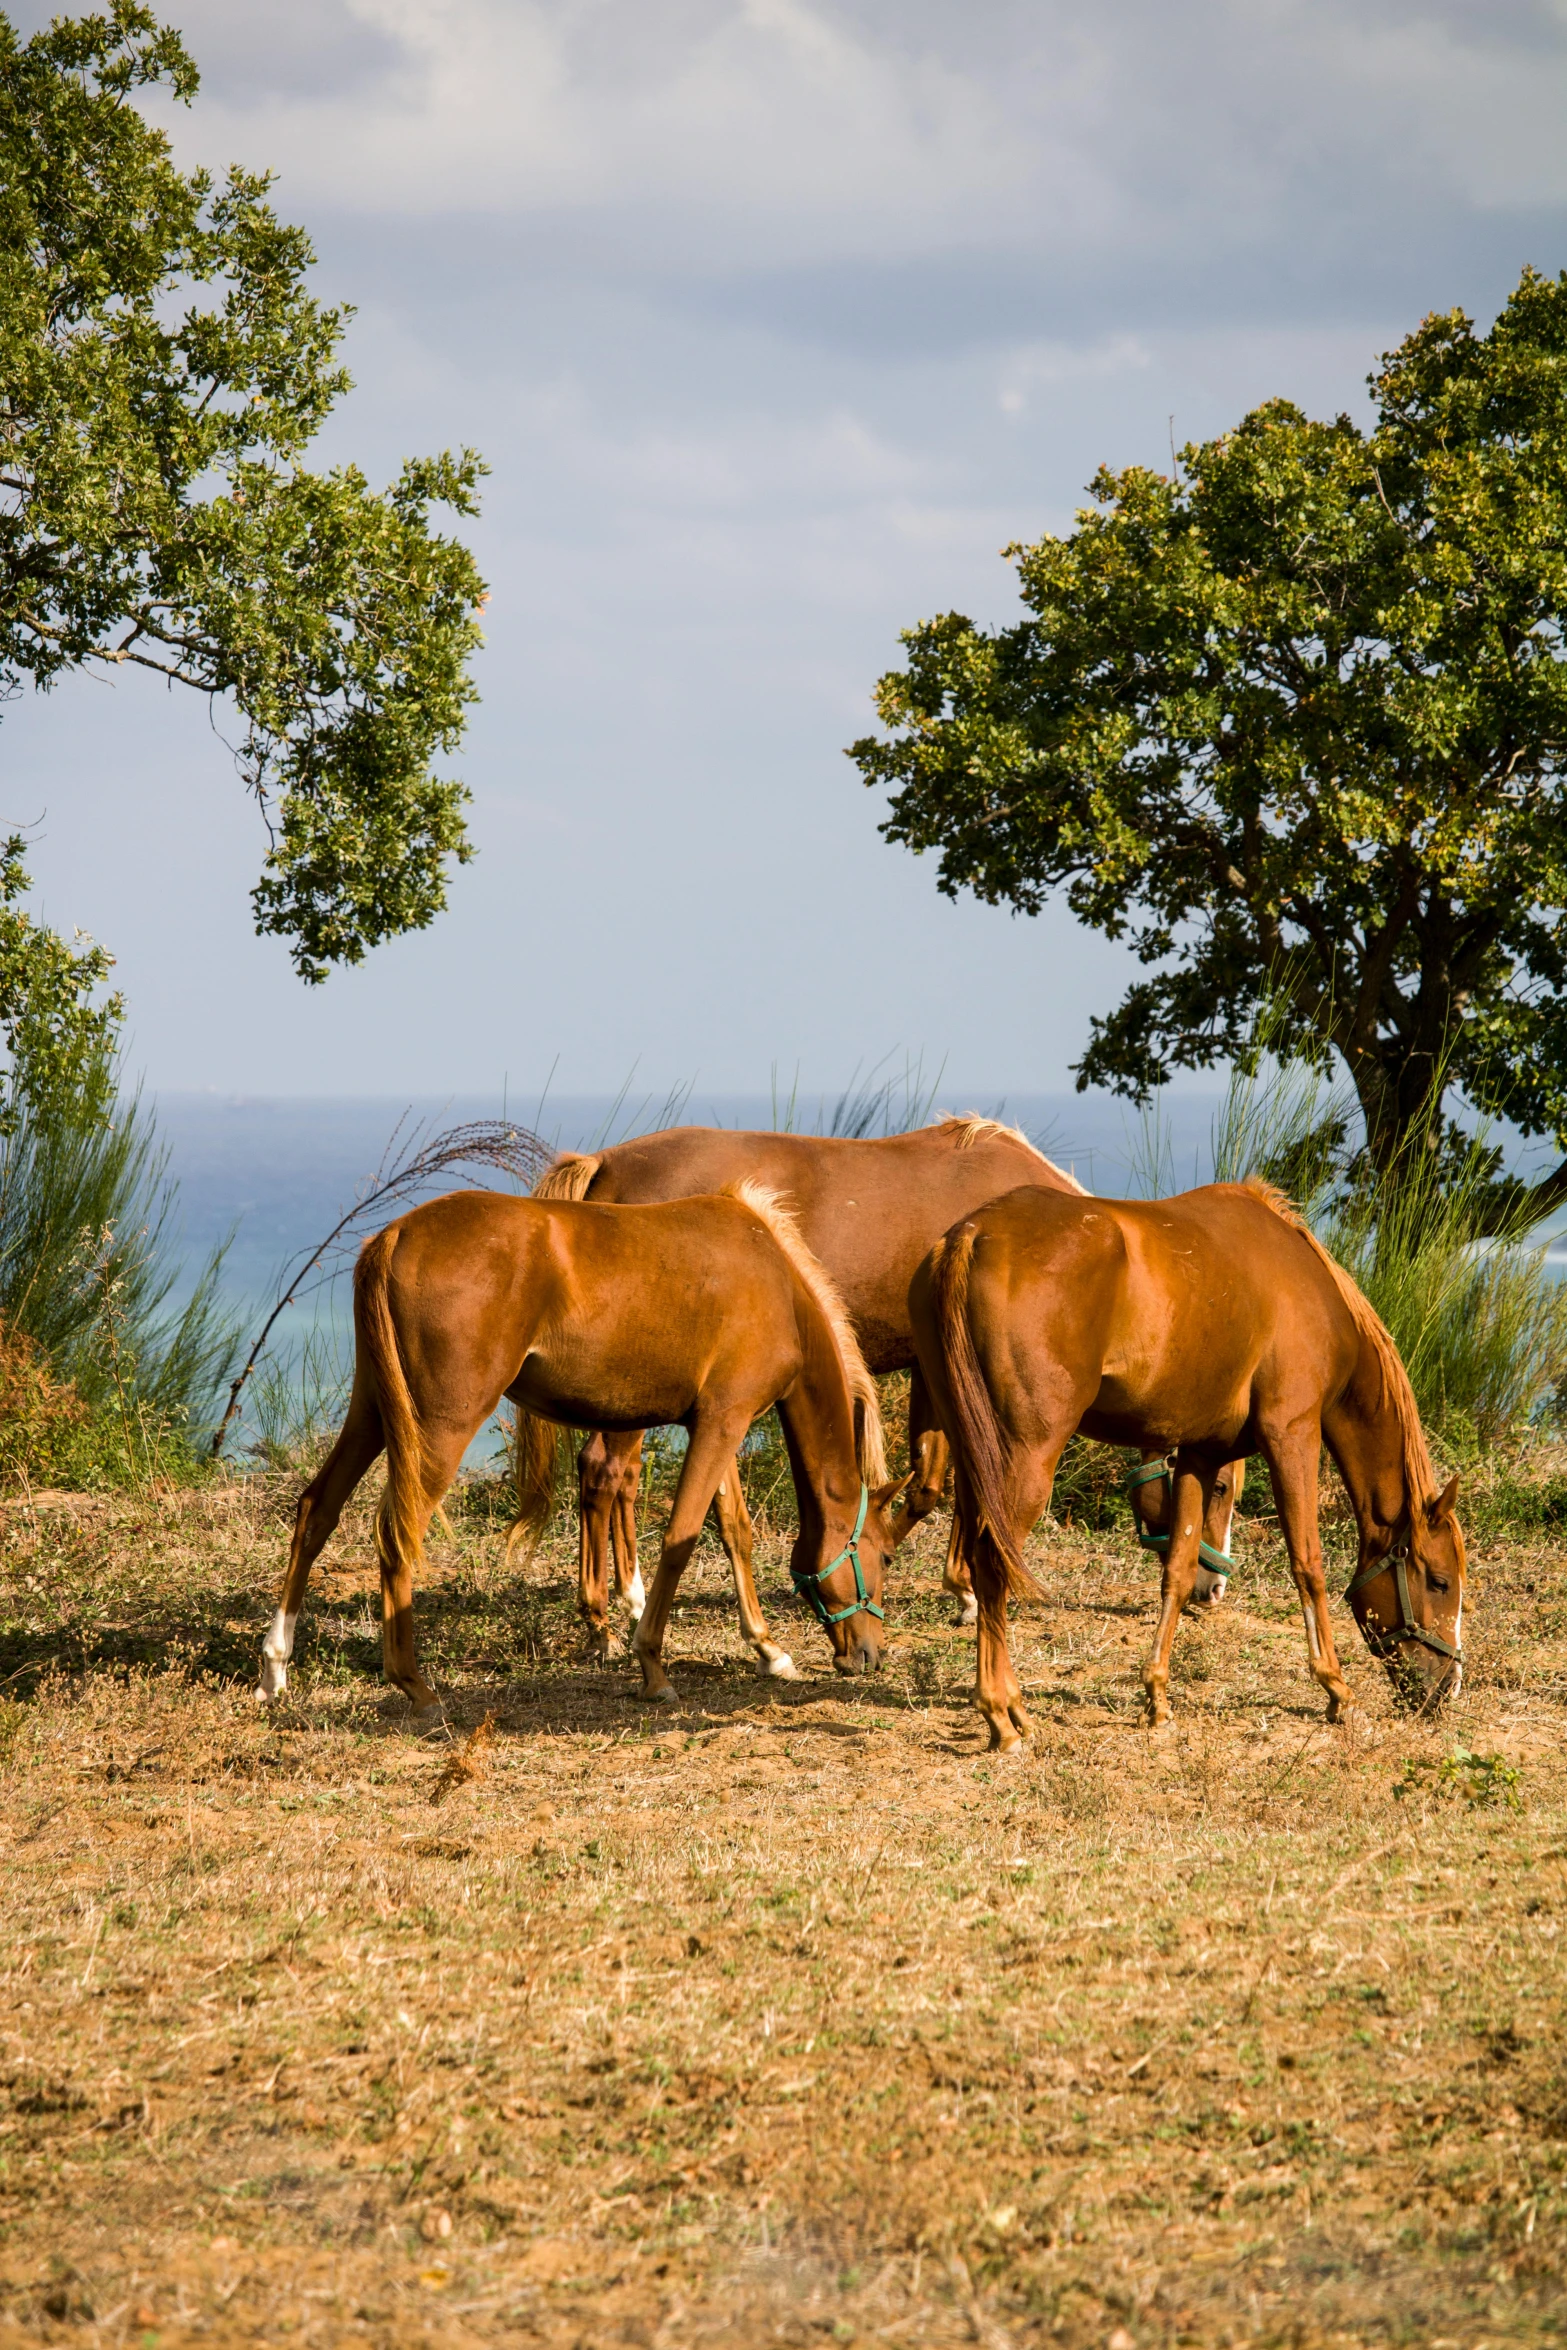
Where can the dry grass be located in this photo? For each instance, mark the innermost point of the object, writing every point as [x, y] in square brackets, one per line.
[789, 2017]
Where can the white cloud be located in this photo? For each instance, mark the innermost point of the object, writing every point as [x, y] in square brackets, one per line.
[744, 133]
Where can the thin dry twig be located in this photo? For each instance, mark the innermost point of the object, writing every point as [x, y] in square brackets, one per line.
[481, 1142]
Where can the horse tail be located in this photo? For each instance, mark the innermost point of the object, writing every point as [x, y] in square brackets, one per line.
[980, 1438]
[568, 1176]
[398, 1524]
[537, 1457]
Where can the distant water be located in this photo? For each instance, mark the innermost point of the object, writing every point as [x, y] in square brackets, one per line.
[278, 1172]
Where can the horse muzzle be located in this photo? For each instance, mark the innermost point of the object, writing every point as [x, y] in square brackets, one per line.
[863, 1655]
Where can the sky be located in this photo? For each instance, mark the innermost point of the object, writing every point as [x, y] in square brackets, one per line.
[776, 320]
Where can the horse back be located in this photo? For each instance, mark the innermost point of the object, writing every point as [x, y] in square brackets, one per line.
[869, 1209]
[1168, 1320]
[632, 1309]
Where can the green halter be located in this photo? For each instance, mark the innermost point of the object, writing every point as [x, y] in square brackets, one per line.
[1218, 1562]
[809, 1586]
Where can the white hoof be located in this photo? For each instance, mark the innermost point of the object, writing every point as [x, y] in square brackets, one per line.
[273, 1681]
[774, 1665]
[968, 1613]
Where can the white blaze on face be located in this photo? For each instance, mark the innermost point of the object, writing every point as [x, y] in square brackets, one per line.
[276, 1650]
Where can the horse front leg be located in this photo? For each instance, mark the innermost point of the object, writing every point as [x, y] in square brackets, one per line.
[736, 1534]
[1292, 1457]
[706, 1455]
[1191, 1491]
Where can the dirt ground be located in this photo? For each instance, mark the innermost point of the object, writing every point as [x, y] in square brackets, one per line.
[787, 2017]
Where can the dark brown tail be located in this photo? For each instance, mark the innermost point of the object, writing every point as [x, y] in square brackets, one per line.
[568, 1176]
[399, 1521]
[980, 1438]
[537, 1458]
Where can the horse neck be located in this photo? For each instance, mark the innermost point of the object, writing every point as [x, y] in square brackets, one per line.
[818, 1426]
[1367, 1443]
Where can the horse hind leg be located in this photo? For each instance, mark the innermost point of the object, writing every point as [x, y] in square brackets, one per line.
[623, 1535]
[600, 1470]
[439, 1461]
[736, 1534]
[315, 1519]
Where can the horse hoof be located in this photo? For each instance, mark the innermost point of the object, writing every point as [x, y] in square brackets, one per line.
[668, 1695]
[425, 1718]
[610, 1649]
[968, 1613]
[778, 1667]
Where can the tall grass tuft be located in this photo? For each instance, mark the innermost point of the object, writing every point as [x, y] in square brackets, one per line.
[88, 1266]
[1479, 1322]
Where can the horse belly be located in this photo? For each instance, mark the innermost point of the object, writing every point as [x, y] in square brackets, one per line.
[584, 1386]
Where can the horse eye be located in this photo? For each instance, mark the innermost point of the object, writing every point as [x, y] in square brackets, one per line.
[1436, 1582]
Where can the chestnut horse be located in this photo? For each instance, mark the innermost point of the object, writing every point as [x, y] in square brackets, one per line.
[1211, 1325]
[704, 1312]
[868, 1211]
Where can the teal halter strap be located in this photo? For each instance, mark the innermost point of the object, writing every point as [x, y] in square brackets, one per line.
[809, 1586]
[1218, 1562]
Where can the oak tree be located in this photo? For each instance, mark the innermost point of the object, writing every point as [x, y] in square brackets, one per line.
[1293, 722]
[163, 369]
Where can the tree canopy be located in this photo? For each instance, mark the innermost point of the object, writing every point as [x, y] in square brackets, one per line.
[1293, 722]
[162, 369]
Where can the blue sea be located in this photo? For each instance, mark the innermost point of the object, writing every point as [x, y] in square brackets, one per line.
[277, 1172]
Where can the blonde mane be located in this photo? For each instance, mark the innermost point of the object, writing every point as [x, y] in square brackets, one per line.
[971, 1129]
[870, 1439]
[568, 1176]
[1419, 1476]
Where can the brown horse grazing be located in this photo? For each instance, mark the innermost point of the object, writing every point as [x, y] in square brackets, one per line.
[704, 1312]
[868, 1211]
[1211, 1325]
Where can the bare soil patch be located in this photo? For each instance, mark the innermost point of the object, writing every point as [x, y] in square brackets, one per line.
[790, 2016]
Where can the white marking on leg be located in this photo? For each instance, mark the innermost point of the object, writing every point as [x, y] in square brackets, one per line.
[636, 1597]
[774, 1664]
[276, 1650]
[1309, 1615]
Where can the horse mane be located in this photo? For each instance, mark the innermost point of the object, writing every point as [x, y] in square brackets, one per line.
[971, 1128]
[870, 1439]
[568, 1176]
[1419, 1475]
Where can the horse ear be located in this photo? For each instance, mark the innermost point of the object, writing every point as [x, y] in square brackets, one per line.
[1445, 1503]
[883, 1494]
